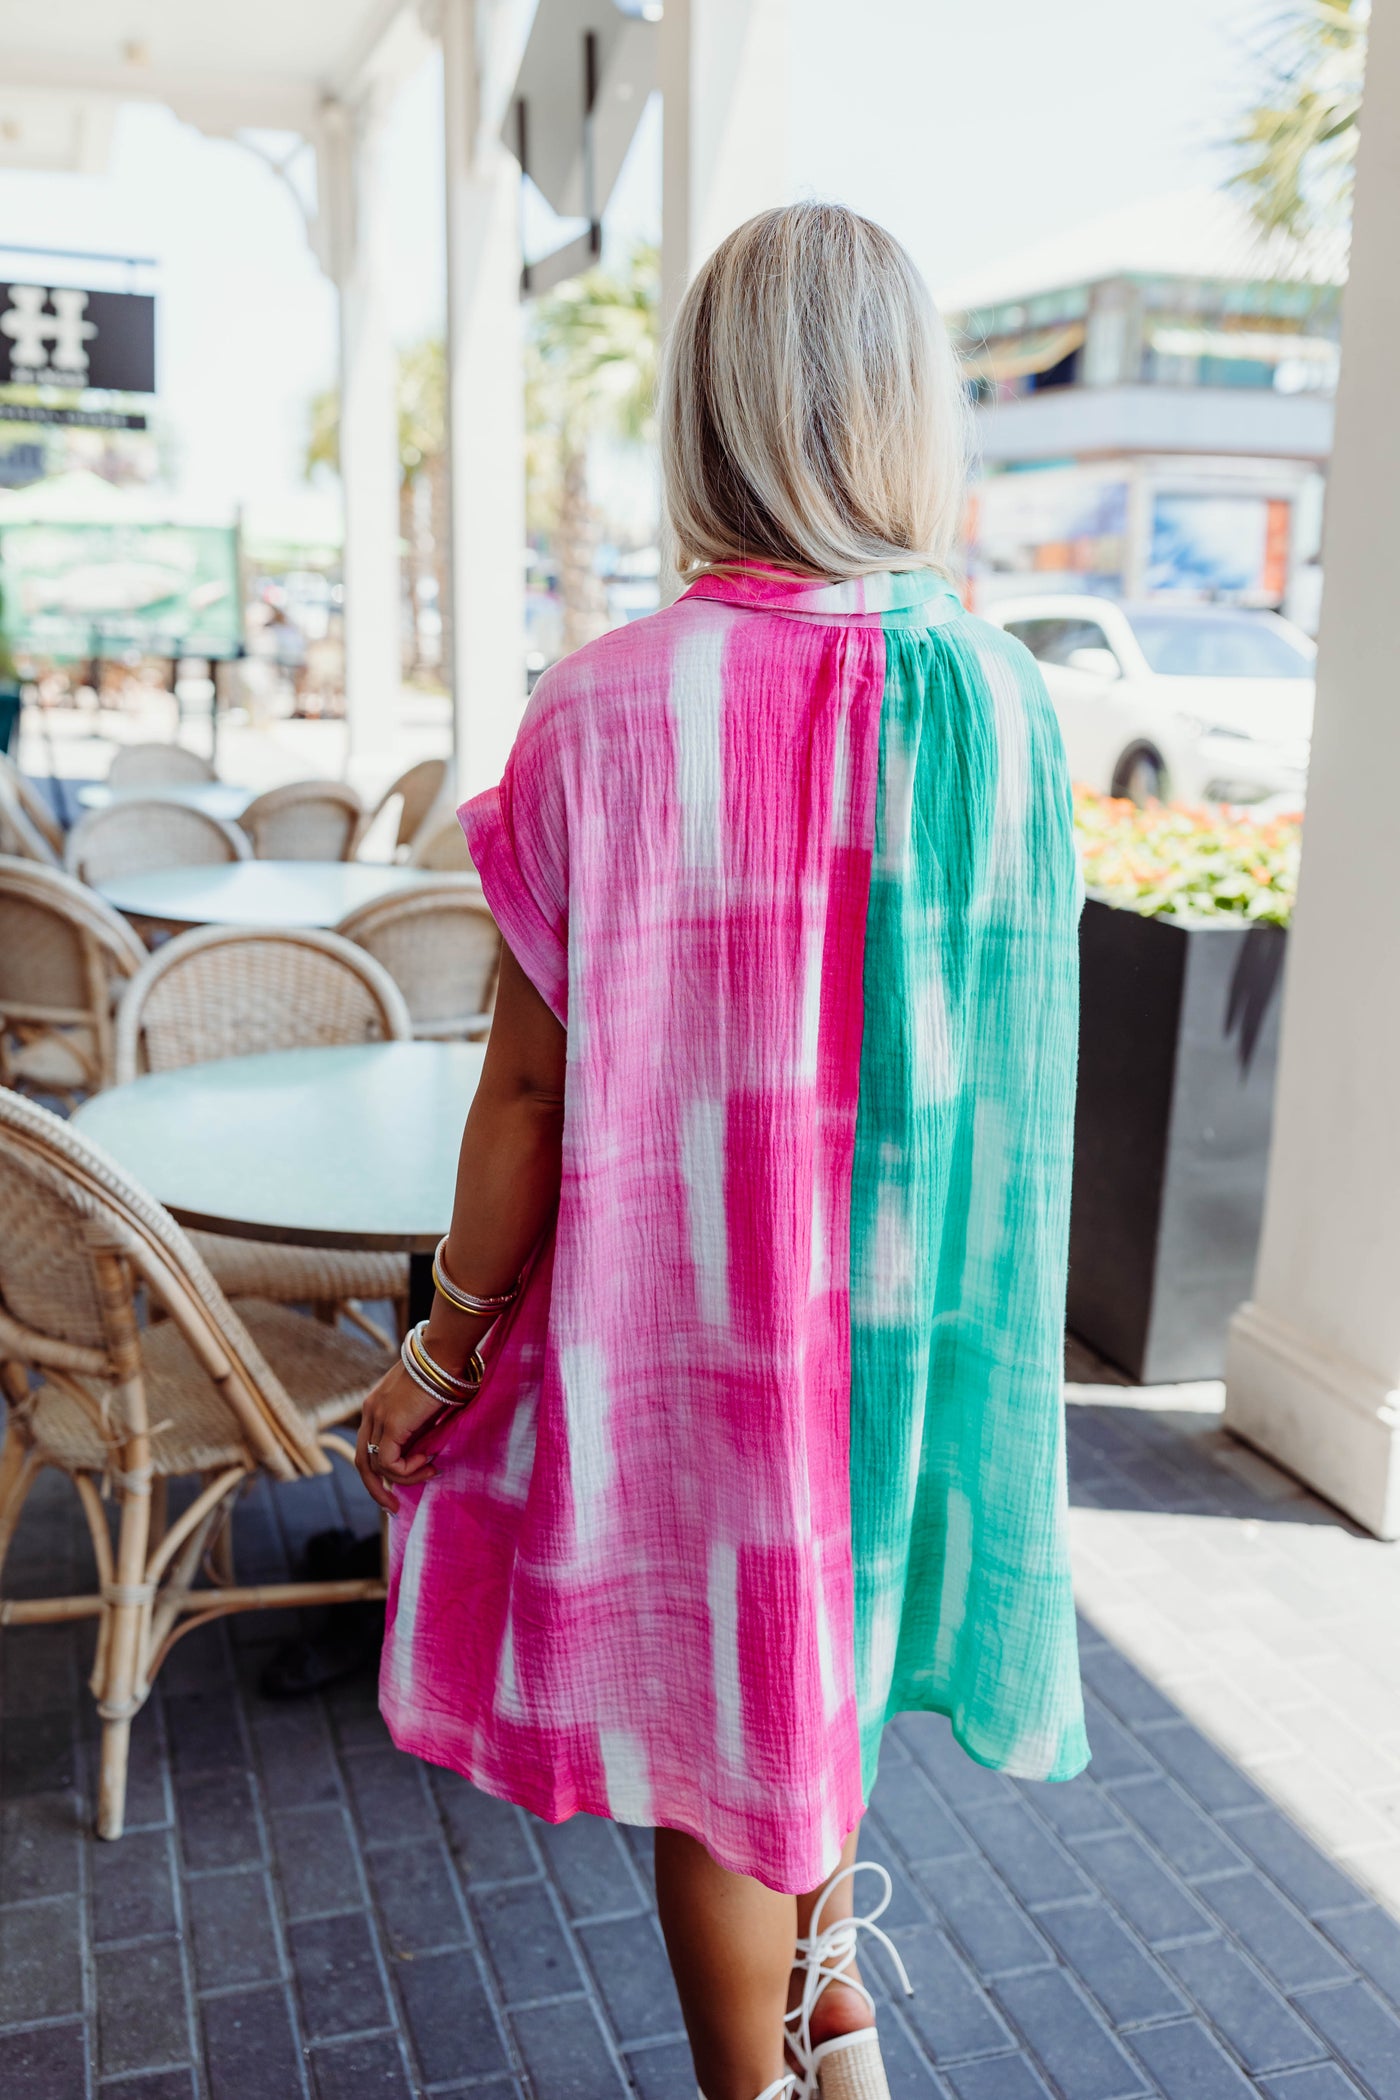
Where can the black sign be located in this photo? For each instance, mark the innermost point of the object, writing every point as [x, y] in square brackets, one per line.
[72, 418]
[58, 336]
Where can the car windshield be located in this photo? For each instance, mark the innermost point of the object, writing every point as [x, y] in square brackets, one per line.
[1217, 645]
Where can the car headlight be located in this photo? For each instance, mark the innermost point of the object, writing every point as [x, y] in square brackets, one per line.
[1197, 727]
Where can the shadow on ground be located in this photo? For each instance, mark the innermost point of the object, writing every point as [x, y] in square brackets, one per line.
[298, 1913]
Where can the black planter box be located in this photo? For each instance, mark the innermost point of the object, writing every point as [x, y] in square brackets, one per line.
[1178, 1044]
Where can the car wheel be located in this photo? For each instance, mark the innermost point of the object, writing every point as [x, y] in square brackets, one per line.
[1141, 776]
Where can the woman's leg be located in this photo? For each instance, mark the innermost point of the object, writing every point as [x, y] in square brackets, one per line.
[730, 1940]
[839, 2010]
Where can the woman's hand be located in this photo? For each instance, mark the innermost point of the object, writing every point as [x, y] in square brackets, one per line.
[393, 1414]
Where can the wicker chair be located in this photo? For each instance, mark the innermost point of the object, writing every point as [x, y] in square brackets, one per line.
[63, 955]
[126, 838]
[423, 789]
[225, 992]
[24, 833]
[156, 765]
[442, 948]
[443, 848]
[121, 1409]
[310, 820]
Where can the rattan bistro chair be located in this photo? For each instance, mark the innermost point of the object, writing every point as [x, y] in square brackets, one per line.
[226, 992]
[423, 791]
[64, 954]
[442, 948]
[120, 1409]
[127, 838]
[310, 820]
[24, 832]
[153, 765]
[443, 848]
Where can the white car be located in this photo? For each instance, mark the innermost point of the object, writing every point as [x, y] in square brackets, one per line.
[1192, 703]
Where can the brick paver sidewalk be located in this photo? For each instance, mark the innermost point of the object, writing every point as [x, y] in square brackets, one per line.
[297, 1913]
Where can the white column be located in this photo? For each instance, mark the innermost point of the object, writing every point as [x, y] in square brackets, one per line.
[1313, 1375]
[369, 452]
[485, 409]
[725, 88]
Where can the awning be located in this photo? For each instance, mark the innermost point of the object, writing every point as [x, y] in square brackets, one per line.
[1021, 355]
[1171, 339]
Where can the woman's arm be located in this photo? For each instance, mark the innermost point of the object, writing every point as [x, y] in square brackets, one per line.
[507, 1190]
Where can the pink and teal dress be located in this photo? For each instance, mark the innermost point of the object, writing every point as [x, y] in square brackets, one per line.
[771, 1447]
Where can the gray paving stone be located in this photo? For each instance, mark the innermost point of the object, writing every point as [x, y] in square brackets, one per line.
[1024, 1853]
[315, 1861]
[589, 1864]
[1116, 1752]
[449, 2017]
[663, 2072]
[1189, 2064]
[907, 2069]
[949, 2012]
[217, 1822]
[337, 1975]
[998, 2078]
[1151, 1898]
[1281, 1940]
[1124, 1689]
[1317, 2082]
[1262, 2030]
[1371, 1939]
[250, 2047]
[1363, 2032]
[1079, 1808]
[913, 1815]
[368, 2069]
[993, 1932]
[205, 1731]
[525, 1943]
[133, 1889]
[230, 1919]
[629, 1965]
[1190, 1840]
[1066, 2037]
[44, 2063]
[389, 1797]
[40, 1966]
[488, 1836]
[151, 2085]
[1205, 1772]
[906, 1906]
[1111, 1963]
[417, 1898]
[957, 1778]
[40, 1846]
[1294, 1862]
[38, 1754]
[142, 2018]
[565, 2053]
[297, 1758]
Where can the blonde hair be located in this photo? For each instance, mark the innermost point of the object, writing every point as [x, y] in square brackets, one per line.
[811, 410]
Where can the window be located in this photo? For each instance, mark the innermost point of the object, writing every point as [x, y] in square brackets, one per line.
[1217, 645]
[1052, 641]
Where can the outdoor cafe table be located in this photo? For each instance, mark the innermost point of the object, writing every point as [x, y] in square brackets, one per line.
[353, 1146]
[272, 894]
[215, 798]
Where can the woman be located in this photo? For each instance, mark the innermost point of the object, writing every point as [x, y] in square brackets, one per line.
[765, 1185]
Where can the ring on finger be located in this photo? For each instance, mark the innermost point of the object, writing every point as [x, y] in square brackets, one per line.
[371, 1450]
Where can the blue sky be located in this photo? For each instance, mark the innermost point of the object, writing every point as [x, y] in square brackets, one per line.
[970, 130]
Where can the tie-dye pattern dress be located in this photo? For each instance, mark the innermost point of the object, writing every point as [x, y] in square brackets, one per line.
[771, 1445]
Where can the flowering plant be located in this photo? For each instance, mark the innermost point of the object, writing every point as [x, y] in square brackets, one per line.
[1176, 861]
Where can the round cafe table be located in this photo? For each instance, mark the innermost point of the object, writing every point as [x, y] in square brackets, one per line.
[272, 894]
[216, 798]
[354, 1146]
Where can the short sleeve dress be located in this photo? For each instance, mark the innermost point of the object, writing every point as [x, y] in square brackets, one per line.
[771, 1445]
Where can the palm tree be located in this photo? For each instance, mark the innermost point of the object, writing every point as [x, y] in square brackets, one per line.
[590, 373]
[1298, 142]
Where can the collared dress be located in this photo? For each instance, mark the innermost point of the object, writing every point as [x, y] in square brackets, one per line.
[770, 1447]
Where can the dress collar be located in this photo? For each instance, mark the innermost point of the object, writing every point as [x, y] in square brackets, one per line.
[892, 597]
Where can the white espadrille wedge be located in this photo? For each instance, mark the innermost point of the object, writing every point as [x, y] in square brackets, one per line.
[849, 2066]
[784, 2088]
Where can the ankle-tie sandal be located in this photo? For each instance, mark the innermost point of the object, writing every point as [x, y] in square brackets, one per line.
[848, 2066]
[784, 2088]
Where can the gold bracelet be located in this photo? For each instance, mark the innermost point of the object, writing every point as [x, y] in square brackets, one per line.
[468, 1301]
[430, 1377]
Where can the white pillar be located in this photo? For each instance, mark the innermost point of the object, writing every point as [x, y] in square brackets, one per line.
[369, 448]
[725, 88]
[485, 410]
[1313, 1374]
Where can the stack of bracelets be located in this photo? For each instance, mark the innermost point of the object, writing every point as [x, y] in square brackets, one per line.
[446, 1387]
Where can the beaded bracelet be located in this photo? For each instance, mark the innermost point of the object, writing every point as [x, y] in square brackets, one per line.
[429, 1376]
[468, 1301]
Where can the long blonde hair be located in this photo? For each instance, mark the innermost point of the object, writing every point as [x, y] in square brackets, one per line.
[811, 410]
